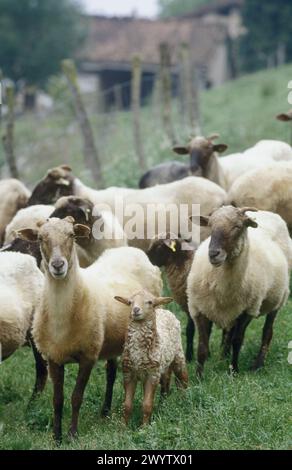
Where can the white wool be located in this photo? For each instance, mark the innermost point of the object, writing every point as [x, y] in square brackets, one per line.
[190, 190]
[260, 155]
[268, 189]
[168, 349]
[21, 284]
[257, 282]
[13, 196]
[28, 217]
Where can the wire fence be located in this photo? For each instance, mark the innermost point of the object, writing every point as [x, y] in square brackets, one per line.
[47, 138]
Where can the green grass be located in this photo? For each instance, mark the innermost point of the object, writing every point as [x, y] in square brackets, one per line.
[250, 411]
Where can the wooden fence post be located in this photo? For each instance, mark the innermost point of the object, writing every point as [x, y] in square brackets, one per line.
[166, 90]
[136, 108]
[8, 136]
[90, 151]
[190, 89]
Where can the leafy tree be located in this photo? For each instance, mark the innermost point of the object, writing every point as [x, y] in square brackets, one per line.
[35, 35]
[179, 7]
[269, 31]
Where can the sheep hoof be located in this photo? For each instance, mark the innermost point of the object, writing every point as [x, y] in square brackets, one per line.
[72, 435]
[105, 412]
[256, 366]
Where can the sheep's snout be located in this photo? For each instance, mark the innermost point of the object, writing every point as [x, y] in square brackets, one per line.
[196, 162]
[58, 267]
[137, 313]
[217, 256]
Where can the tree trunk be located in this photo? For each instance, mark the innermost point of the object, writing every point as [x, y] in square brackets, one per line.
[8, 137]
[136, 98]
[91, 156]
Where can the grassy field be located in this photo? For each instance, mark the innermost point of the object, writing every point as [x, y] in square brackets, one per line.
[250, 411]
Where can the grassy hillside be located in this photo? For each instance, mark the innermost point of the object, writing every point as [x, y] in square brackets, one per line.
[250, 411]
[242, 112]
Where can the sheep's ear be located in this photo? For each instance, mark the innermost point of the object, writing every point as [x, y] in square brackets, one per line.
[66, 167]
[162, 301]
[81, 231]
[203, 220]
[220, 148]
[171, 244]
[213, 136]
[62, 182]
[69, 219]
[123, 300]
[284, 117]
[248, 222]
[181, 150]
[27, 234]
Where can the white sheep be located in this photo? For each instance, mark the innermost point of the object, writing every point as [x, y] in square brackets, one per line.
[106, 232]
[21, 284]
[30, 216]
[204, 160]
[268, 189]
[13, 196]
[189, 191]
[152, 351]
[264, 153]
[78, 320]
[237, 274]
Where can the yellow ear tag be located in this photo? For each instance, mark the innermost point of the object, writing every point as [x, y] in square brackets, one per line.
[172, 246]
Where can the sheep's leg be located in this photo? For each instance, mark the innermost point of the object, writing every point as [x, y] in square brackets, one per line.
[203, 325]
[130, 389]
[190, 333]
[165, 382]
[209, 334]
[41, 371]
[226, 342]
[266, 340]
[111, 373]
[57, 376]
[180, 372]
[237, 338]
[148, 400]
[85, 368]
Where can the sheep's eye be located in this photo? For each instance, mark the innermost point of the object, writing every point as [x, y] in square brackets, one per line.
[149, 302]
[40, 239]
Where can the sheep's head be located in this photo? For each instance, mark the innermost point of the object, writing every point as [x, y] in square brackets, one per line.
[228, 232]
[143, 304]
[57, 182]
[201, 151]
[166, 249]
[285, 117]
[56, 238]
[78, 208]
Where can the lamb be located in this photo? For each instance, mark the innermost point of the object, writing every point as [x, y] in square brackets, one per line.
[237, 274]
[176, 256]
[203, 162]
[78, 320]
[189, 191]
[21, 284]
[153, 349]
[102, 224]
[268, 189]
[13, 196]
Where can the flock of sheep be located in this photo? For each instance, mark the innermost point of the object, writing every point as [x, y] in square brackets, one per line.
[76, 297]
